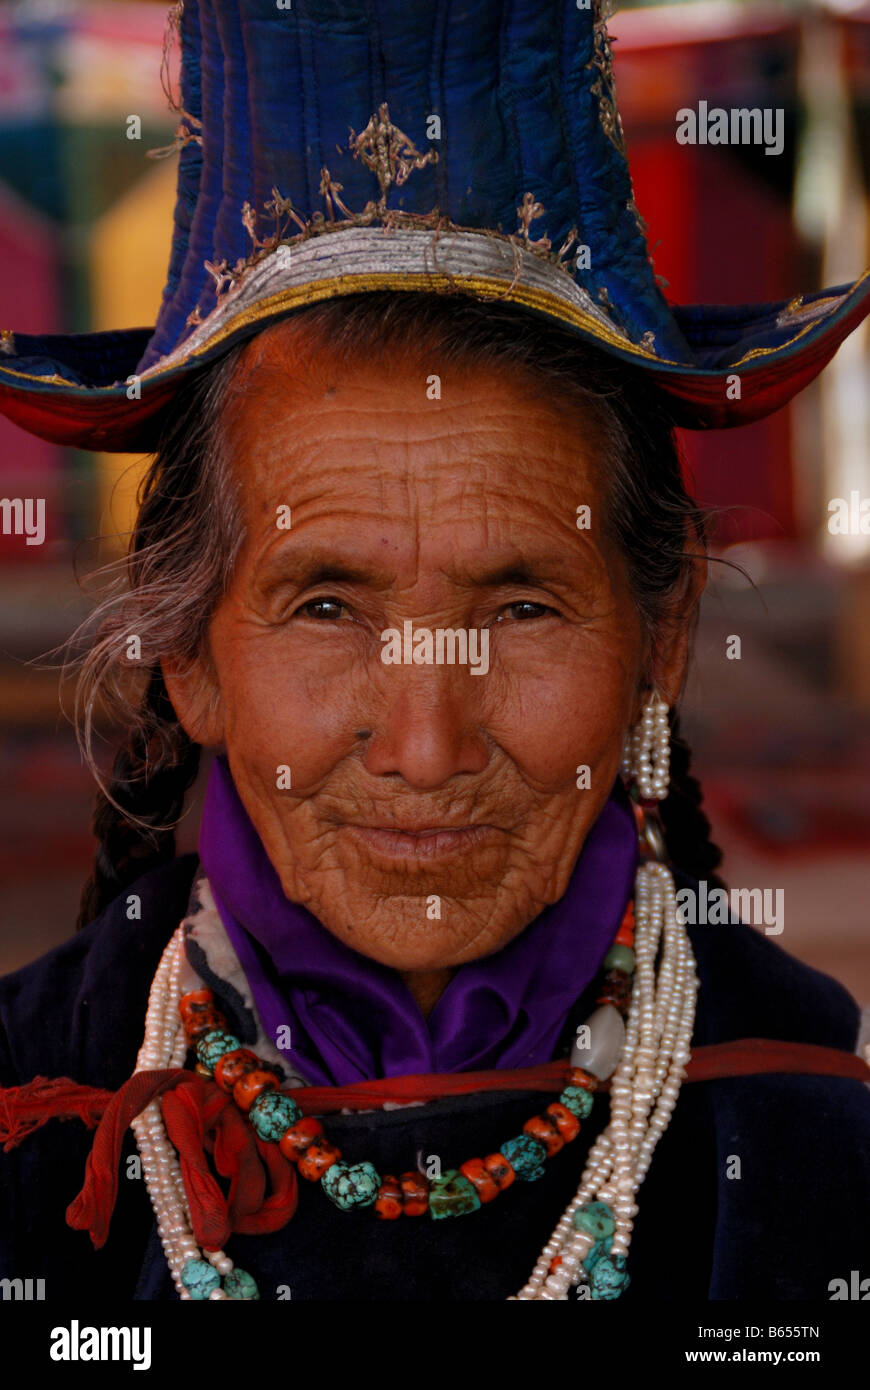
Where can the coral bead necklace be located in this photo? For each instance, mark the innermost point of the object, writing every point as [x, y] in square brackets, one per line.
[645, 1055]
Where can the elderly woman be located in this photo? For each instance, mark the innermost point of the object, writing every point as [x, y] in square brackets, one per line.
[419, 566]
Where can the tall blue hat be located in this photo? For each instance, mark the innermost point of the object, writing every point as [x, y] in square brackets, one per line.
[329, 147]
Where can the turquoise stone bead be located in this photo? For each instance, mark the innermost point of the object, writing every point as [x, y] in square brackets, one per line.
[212, 1046]
[351, 1185]
[577, 1100]
[200, 1278]
[609, 1279]
[599, 1249]
[272, 1114]
[620, 958]
[596, 1219]
[526, 1156]
[238, 1284]
[452, 1195]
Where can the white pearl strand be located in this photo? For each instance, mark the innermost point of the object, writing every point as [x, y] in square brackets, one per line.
[648, 751]
[651, 1068]
[165, 1045]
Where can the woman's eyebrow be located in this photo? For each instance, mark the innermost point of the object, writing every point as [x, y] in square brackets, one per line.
[508, 574]
[538, 569]
[308, 568]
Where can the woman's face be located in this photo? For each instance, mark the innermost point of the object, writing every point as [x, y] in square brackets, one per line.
[424, 812]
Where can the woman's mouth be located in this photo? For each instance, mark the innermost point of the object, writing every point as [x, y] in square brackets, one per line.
[429, 843]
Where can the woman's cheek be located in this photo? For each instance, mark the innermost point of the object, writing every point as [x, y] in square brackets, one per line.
[287, 739]
[549, 726]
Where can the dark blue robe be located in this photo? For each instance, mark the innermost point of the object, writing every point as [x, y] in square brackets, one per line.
[795, 1219]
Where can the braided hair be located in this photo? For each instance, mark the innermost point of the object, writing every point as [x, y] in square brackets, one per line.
[182, 551]
[687, 829]
[189, 532]
[151, 787]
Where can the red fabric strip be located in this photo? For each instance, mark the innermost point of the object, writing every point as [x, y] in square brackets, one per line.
[751, 1056]
[189, 1114]
[26, 1108]
[92, 1209]
[199, 1117]
[744, 1057]
[371, 1095]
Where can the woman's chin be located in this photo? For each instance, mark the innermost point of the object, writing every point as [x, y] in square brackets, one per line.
[398, 933]
[386, 882]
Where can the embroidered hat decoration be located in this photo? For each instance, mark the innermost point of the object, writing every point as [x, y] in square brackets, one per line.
[329, 149]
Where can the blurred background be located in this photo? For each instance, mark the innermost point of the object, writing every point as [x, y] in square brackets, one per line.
[782, 735]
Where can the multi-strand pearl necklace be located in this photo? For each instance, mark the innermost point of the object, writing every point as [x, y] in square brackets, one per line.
[647, 1071]
[644, 1089]
[165, 1045]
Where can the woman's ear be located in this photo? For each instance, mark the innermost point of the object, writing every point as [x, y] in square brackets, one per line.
[193, 688]
[671, 653]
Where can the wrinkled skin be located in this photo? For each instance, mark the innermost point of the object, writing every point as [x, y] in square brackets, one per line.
[416, 505]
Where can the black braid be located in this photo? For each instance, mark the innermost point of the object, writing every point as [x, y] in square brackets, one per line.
[151, 775]
[687, 829]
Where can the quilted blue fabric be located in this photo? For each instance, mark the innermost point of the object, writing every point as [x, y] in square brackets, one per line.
[520, 95]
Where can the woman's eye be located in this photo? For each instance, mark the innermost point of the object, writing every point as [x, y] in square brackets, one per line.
[523, 610]
[326, 609]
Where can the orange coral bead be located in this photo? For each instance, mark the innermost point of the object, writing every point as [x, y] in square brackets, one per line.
[415, 1194]
[567, 1124]
[554, 1263]
[483, 1182]
[300, 1137]
[195, 998]
[199, 1013]
[499, 1170]
[542, 1128]
[388, 1203]
[253, 1084]
[578, 1077]
[625, 935]
[203, 1022]
[317, 1158]
[233, 1066]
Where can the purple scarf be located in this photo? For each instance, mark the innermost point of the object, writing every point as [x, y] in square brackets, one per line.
[353, 1019]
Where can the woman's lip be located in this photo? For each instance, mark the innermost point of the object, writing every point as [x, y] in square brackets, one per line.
[432, 842]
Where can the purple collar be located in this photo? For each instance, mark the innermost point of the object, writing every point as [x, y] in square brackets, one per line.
[352, 1019]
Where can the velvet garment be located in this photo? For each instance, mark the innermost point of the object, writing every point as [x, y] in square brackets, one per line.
[353, 1019]
[795, 1220]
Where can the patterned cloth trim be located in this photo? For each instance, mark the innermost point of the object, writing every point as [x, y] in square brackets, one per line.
[205, 931]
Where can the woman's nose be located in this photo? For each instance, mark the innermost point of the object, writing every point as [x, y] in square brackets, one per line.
[428, 727]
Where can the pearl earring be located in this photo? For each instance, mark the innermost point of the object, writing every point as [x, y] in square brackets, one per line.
[647, 753]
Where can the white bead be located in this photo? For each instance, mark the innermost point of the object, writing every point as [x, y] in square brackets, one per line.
[607, 1038]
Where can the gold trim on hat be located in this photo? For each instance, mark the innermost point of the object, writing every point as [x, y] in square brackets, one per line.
[535, 297]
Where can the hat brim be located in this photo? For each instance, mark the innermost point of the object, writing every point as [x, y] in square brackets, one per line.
[742, 362]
